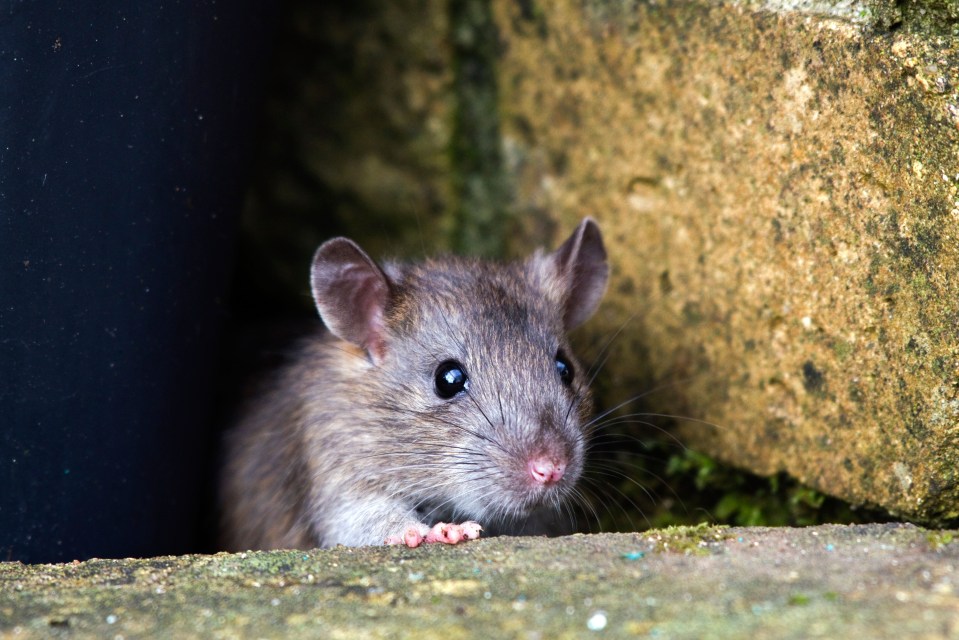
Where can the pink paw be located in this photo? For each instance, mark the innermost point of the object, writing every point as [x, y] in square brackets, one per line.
[454, 533]
[412, 538]
[442, 532]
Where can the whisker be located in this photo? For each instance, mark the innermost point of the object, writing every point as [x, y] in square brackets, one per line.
[639, 396]
[628, 420]
[595, 368]
[594, 486]
[626, 497]
[585, 502]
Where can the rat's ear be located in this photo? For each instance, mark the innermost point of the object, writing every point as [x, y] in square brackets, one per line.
[351, 293]
[580, 271]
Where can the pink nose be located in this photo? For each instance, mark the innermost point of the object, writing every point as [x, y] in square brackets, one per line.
[546, 471]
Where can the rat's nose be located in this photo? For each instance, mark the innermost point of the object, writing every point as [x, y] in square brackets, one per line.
[543, 470]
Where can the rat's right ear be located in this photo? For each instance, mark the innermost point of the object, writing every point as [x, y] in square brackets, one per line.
[577, 273]
[351, 293]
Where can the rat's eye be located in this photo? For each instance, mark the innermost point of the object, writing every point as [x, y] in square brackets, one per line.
[451, 379]
[564, 368]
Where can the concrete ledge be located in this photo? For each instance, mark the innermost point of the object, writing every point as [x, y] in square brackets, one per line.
[831, 581]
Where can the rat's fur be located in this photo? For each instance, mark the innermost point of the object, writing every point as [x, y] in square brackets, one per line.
[352, 445]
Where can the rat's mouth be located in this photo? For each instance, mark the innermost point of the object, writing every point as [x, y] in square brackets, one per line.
[520, 499]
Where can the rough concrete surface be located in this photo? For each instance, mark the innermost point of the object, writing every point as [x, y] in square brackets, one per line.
[895, 581]
[779, 194]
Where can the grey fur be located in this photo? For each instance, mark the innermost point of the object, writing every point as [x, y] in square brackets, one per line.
[351, 444]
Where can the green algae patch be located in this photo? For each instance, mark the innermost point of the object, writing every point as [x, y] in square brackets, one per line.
[857, 581]
[939, 539]
[689, 540]
[480, 185]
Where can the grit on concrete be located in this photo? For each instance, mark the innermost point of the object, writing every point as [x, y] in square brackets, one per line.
[865, 581]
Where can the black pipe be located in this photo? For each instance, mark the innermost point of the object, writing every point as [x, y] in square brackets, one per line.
[124, 136]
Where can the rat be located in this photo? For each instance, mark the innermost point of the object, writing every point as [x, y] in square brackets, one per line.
[442, 399]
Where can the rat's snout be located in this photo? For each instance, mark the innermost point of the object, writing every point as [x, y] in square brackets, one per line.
[546, 470]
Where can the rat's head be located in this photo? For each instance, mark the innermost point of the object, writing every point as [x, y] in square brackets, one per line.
[471, 361]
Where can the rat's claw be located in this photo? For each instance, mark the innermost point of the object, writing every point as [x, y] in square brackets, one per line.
[412, 538]
[448, 533]
[471, 530]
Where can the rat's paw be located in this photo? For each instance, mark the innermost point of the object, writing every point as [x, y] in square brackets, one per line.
[448, 533]
[412, 536]
[444, 533]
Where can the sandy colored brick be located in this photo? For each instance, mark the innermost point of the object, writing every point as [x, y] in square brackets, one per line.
[779, 192]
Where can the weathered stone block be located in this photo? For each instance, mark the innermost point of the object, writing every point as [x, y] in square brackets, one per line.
[876, 581]
[779, 193]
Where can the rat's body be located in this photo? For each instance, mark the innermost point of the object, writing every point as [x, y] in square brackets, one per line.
[442, 391]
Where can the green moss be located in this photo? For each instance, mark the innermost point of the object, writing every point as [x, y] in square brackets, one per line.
[479, 180]
[920, 286]
[842, 349]
[688, 488]
[939, 539]
[689, 540]
[799, 600]
[934, 16]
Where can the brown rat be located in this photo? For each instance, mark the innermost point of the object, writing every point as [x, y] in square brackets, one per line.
[443, 398]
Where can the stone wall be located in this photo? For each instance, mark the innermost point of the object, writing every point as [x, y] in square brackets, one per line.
[875, 581]
[777, 182]
[779, 193]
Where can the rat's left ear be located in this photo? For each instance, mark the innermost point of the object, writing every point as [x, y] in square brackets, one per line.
[579, 270]
[351, 293]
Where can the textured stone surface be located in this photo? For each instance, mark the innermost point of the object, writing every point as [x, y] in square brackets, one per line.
[874, 581]
[779, 194]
